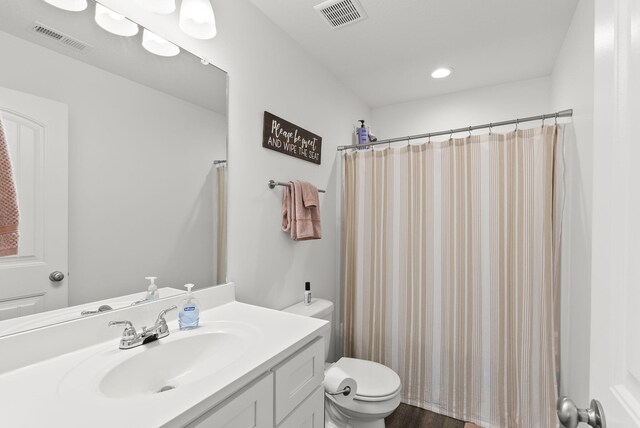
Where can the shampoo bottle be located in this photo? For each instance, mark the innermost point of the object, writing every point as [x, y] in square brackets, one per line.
[307, 293]
[363, 134]
[152, 290]
[189, 316]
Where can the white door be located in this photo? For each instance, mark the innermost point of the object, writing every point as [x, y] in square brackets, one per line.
[36, 131]
[615, 297]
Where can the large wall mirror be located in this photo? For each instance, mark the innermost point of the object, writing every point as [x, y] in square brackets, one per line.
[119, 157]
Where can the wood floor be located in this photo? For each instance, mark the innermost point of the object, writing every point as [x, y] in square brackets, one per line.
[414, 417]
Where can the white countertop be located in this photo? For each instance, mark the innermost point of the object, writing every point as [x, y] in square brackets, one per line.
[41, 395]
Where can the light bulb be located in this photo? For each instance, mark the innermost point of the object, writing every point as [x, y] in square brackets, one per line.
[114, 22]
[157, 45]
[70, 5]
[197, 19]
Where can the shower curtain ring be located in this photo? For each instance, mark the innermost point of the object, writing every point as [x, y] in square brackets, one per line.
[556, 119]
[517, 123]
[451, 134]
[490, 128]
[469, 132]
[543, 117]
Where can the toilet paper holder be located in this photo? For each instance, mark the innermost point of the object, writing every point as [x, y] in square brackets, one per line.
[345, 391]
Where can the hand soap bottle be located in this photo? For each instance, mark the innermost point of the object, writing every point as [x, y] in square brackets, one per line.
[189, 316]
[152, 290]
[363, 134]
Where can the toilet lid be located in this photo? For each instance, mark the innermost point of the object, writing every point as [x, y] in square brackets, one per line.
[374, 380]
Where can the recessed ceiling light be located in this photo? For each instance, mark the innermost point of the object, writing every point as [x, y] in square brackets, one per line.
[441, 72]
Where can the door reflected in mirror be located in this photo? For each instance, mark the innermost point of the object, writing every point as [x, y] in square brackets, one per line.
[119, 160]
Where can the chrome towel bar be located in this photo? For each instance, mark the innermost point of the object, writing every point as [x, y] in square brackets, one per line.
[272, 185]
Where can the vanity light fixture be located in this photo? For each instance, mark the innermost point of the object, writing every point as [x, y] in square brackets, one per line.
[157, 45]
[163, 7]
[441, 72]
[114, 22]
[197, 19]
[70, 5]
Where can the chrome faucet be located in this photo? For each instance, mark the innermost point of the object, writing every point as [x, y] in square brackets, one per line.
[102, 308]
[131, 338]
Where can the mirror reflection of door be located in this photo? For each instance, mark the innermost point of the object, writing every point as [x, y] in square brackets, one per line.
[37, 138]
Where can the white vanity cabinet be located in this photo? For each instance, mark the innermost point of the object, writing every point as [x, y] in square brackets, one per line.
[290, 395]
[244, 366]
[251, 407]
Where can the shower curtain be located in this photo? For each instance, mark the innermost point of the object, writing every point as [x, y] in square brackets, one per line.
[450, 264]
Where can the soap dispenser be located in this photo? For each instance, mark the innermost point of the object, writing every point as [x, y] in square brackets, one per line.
[152, 290]
[189, 316]
[363, 133]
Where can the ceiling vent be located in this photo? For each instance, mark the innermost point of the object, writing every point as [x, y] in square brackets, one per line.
[59, 37]
[339, 13]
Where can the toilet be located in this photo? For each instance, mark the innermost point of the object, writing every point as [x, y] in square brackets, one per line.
[378, 387]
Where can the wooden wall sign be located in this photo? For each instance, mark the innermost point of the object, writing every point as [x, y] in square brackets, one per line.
[290, 139]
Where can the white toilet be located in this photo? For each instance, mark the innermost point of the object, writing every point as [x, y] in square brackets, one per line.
[378, 387]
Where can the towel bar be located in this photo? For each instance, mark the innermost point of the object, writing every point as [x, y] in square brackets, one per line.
[272, 185]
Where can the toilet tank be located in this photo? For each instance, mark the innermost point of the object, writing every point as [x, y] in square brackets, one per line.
[319, 308]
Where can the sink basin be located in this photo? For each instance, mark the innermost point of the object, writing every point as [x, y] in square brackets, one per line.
[182, 358]
[168, 365]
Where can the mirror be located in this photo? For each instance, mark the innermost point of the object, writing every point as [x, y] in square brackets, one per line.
[141, 141]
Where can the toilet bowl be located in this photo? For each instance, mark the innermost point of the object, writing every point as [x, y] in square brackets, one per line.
[377, 396]
[378, 387]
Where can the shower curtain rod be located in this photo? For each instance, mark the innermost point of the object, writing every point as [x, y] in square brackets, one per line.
[556, 115]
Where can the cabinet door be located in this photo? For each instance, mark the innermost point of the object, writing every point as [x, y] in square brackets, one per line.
[250, 408]
[310, 414]
[298, 377]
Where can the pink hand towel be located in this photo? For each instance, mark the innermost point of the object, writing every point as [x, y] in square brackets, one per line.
[303, 223]
[306, 221]
[286, 208]
[309, 195]
[9, 214]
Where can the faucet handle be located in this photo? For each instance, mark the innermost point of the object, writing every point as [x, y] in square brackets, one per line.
[164, 312]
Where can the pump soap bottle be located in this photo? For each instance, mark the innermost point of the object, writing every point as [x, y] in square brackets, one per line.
[189, 316]
[363, 133]
[152, 290]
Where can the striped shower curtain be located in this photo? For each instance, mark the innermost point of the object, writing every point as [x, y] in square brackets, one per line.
[450, 267]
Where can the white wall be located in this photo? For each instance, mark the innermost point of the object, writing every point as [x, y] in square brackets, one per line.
[573, 87]
[269, 71]
[459, 109]
[139, 164]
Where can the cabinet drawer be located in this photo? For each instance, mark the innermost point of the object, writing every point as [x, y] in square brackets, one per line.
[297, 377]
[250, 408]
[310, 414]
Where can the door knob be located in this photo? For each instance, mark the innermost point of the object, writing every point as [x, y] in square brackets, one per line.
[570, 416]
[56, 276]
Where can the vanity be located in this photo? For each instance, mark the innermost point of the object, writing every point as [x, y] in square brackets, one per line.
[244, 366]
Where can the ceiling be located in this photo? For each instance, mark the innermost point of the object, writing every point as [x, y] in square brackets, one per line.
[388, 57]
[124, 56]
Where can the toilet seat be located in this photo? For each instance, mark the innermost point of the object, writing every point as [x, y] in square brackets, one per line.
[375, 381]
